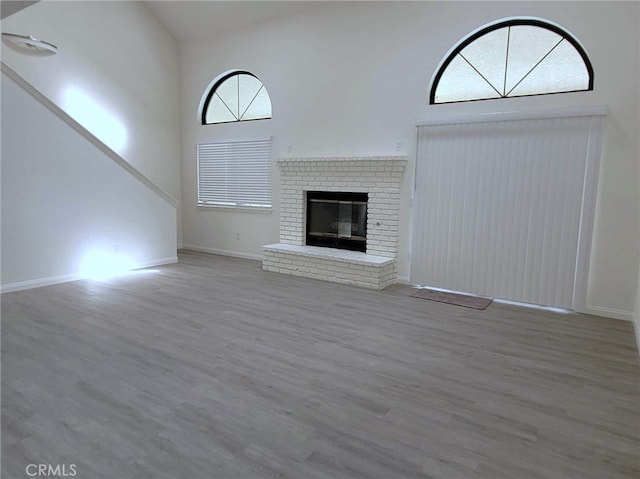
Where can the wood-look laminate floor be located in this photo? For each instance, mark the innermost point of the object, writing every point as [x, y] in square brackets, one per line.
[214, 369]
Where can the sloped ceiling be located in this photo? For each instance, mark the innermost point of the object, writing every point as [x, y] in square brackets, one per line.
[188, 20]
[8, 7]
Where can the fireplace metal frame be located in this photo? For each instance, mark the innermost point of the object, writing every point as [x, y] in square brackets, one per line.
[330, 240]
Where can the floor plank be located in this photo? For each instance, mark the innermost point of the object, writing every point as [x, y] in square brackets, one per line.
[213, 368]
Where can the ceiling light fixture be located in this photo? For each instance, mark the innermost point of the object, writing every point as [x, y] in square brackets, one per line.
[29, 45]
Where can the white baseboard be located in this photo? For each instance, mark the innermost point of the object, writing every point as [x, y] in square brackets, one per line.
[38, 283]
[223, 252]
[404, 280]
[609, 313]
[65, 278]
[156, 262]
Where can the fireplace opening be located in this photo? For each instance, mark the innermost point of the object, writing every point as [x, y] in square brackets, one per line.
[337, 220]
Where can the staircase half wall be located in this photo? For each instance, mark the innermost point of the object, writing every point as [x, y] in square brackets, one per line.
[68, 209]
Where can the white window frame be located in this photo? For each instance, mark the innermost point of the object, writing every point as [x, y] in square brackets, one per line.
[235, 174]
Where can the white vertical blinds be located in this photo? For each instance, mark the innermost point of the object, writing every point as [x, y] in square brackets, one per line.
[498, 206]
[235, 173]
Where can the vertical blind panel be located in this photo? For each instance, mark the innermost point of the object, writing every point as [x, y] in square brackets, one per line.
[497, 208]
[235, 173]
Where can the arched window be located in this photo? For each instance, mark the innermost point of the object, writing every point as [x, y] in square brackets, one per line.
[235, 96]
[515, 57]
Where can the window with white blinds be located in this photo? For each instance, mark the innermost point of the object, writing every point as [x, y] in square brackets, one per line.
[236, 174]
[503, 207]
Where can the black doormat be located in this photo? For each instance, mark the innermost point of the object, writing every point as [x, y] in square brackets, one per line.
[458, 299]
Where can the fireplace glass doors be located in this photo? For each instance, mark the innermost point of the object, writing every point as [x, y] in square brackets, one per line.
[337, 220]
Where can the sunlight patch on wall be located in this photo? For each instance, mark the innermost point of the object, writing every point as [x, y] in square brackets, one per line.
[96, 119]
[101, 265]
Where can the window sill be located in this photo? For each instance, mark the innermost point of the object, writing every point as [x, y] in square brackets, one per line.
[246, 209]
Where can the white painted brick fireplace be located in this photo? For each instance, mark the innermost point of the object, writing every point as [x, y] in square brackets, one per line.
[378, 176]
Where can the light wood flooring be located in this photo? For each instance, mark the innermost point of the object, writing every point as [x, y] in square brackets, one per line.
[215, 369]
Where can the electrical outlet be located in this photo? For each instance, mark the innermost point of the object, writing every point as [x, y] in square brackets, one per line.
[237, 235]
[116, 248]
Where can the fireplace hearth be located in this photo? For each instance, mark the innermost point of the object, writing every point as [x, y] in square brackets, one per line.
[337, 220]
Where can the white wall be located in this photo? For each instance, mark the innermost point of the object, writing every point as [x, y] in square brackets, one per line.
[66, 206]
[636, 317]
[116, 73]
[352, 78]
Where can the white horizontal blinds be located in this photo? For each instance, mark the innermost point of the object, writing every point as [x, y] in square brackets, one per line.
[497, 208]
[235, 173]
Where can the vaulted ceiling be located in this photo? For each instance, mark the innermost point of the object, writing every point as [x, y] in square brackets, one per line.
[9, 7]
[188, 20]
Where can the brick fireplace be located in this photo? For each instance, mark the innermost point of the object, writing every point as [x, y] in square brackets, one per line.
[380, 178]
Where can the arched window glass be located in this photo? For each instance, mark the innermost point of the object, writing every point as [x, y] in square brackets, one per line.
[236, 96]
[516, 57]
